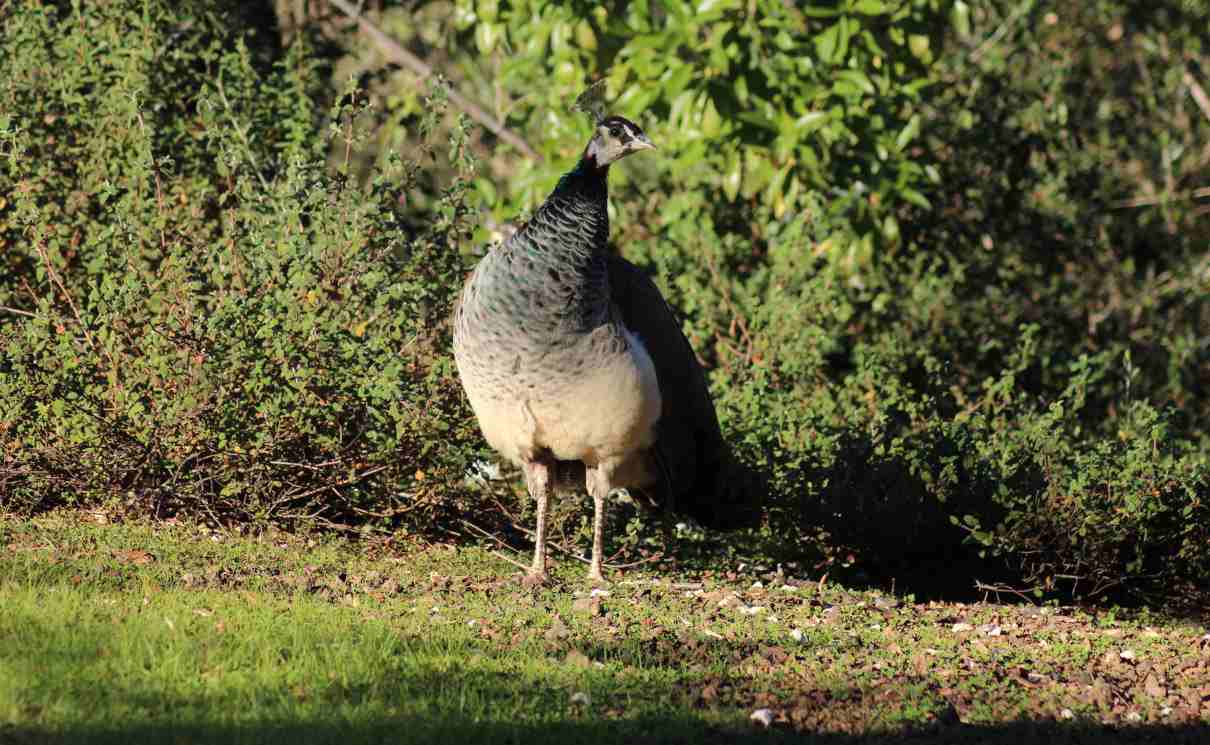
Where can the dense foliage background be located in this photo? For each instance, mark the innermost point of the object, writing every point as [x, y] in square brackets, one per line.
[948, 262]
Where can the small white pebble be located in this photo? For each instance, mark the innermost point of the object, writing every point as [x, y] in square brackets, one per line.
[796, 635]
[598, 593]
[1134, 716]
[758, 585]
[751, 610]
[958, 628]
[580, 698]
[1067, 714]
[763, 717]
[991, 629]
[789, 588]
[1127, 654]
[1166, 711]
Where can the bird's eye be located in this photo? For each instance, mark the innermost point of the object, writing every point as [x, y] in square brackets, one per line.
[615, 131]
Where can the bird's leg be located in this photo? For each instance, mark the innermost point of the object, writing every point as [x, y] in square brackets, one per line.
[537, 479]
[599, 487]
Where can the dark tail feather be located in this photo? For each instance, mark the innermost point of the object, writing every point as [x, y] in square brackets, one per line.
[724, 494]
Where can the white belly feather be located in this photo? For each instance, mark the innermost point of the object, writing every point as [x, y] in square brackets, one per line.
[605, 414]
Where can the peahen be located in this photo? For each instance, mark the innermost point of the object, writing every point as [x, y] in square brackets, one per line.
[570, 354]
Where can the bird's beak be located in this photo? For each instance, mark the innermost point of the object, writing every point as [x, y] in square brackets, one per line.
[643, 142]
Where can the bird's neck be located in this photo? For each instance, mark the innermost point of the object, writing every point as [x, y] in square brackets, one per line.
[566, 240]
[577, 212]
[586, 182]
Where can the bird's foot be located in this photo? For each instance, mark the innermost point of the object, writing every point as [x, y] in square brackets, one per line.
[534, 579]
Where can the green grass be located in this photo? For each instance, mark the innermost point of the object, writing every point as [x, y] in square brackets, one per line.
[134, 633]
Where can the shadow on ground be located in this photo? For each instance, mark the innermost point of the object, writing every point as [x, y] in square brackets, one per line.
[651, 730]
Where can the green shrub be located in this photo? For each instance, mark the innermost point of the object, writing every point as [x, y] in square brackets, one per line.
[201, 316]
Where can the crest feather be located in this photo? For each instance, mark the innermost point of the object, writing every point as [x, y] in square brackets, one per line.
[592, 102]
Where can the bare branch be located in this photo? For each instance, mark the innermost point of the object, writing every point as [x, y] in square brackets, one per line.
[990, 41]
[1198, 93]
[333, 485]
[18, 311]
[1154, 199]
[510, 560]
[54, 276]
[241, 131]
[395, 52]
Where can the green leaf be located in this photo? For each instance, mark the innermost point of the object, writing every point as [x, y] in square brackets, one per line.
[919, 45]
[585, 37]
[753, 117]
[711, 122]
[676, 78]
[908, 133]
[486, 36]
[858, 79]
[809, 122]
[827, 42]
[733, 176]
[814, 11]
[960, 17]
[870, 7]
[916, 198]
[709, 6]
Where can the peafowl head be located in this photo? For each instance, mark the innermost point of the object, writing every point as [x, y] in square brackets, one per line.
[614, 139]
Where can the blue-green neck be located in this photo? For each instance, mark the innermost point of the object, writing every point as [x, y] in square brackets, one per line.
[586, 176]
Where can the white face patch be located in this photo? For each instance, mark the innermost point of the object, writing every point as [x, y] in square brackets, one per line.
[624, 132]
[615, 138]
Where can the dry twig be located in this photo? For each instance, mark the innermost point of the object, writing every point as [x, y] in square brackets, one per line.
[396, 53]
[1198, 93]
[18, 311]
